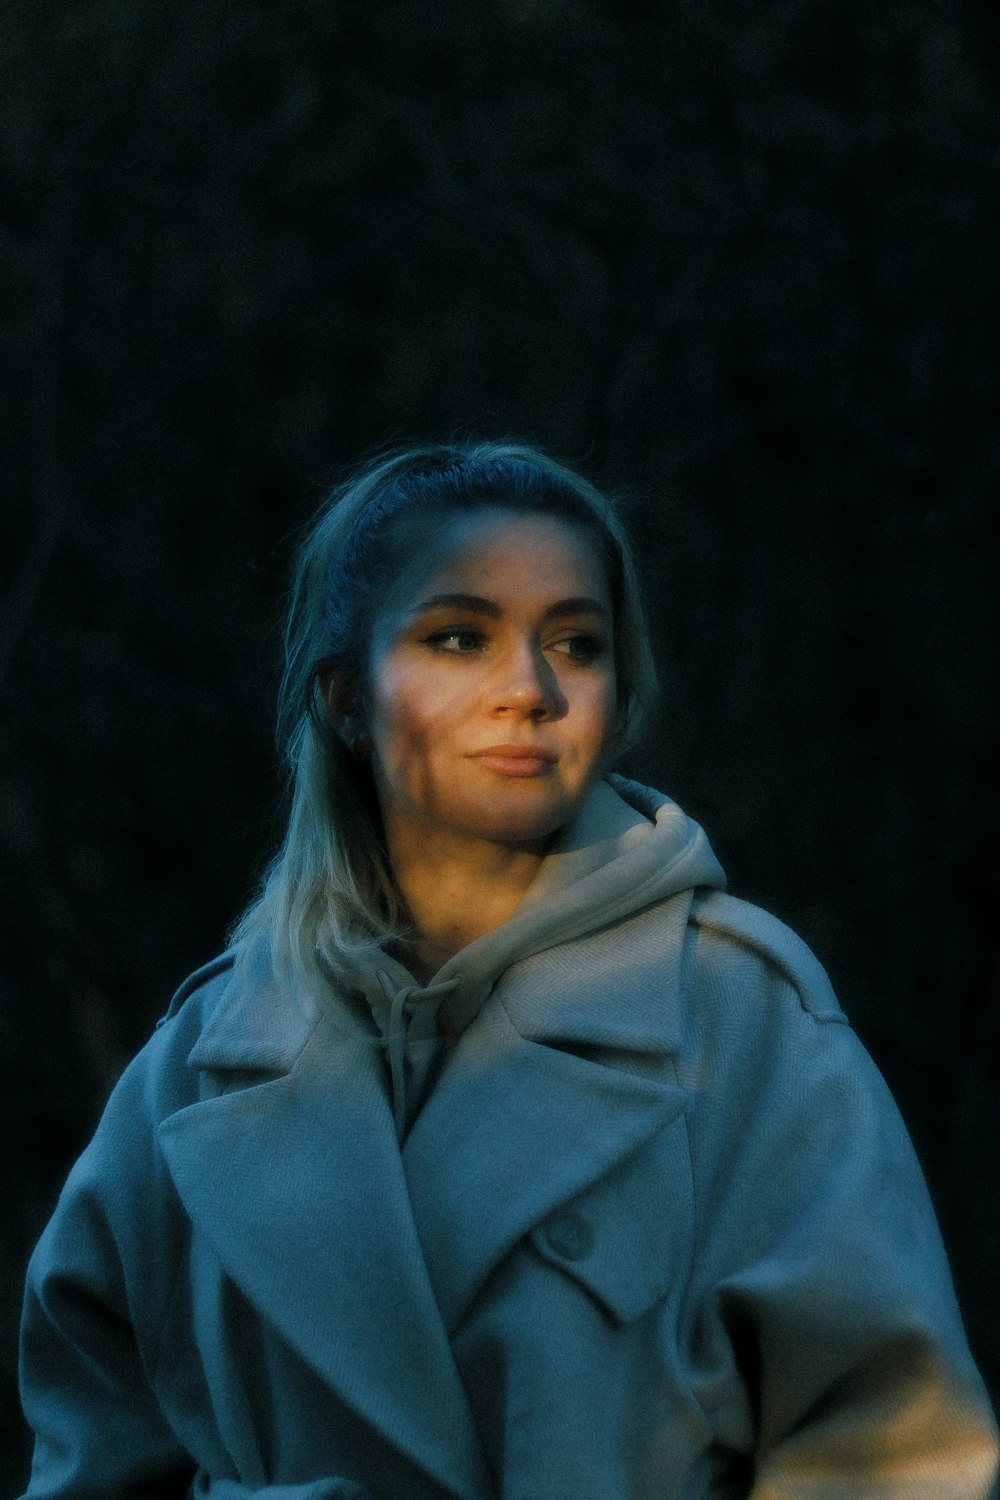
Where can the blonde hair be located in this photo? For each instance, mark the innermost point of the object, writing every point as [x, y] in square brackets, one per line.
[328, 897]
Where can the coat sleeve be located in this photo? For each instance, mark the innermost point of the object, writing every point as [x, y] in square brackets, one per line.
[829, 1340]
[96, 1290]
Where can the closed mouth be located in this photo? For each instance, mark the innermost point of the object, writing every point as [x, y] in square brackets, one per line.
[515, 753]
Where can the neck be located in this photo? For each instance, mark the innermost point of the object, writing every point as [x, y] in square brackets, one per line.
[457, 890]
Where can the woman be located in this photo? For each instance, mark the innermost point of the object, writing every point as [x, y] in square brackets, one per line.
[503, 1155]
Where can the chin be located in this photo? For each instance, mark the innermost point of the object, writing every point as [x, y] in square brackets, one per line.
[520, 827]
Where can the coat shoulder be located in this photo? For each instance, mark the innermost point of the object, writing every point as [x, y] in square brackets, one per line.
[743, 929]
[204, 983]
[160, 1078]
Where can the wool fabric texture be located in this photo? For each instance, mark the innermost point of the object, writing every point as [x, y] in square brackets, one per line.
[616, 1207]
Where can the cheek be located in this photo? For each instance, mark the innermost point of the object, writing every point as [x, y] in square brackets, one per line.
[408, 718]
[599, 713]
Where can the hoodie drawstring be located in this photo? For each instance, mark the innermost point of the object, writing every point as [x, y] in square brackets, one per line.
[422, 1053]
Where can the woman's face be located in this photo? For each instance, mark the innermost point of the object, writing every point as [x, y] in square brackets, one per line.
[490, 696]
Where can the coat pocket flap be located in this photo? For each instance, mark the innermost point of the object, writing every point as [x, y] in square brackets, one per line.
[622, 1238]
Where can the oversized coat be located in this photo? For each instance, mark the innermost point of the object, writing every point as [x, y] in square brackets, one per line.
[655, 1233]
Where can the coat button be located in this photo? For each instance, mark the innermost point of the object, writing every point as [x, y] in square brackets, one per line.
[570, 1235]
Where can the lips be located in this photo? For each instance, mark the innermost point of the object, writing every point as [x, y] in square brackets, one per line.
[516, 760]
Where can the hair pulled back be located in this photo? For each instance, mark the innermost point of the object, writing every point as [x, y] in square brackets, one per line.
[329, 896]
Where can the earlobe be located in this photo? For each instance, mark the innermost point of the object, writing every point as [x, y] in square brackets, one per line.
[358, 742]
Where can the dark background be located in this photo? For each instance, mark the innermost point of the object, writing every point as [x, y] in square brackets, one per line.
[737, 258]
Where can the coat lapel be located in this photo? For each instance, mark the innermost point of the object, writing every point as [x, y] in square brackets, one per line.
[517, 1124]
[565, 1071]
[297, 1183]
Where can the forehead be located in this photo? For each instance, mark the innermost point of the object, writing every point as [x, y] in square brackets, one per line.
[500, 554]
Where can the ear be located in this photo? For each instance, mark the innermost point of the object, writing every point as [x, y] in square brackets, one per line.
[332, 684]
[341, 710]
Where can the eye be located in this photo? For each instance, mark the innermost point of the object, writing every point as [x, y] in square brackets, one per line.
[457, 642]
[583, 648]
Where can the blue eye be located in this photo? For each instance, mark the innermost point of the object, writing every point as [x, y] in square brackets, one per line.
[457, 642]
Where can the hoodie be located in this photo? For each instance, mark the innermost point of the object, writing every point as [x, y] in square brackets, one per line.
[627, 849]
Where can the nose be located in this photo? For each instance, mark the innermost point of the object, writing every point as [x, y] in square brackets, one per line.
[527, 685]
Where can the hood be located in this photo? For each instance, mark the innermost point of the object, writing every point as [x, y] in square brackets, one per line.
[627, 848]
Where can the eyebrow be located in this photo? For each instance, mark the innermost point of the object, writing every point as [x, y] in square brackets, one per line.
[578, 605]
